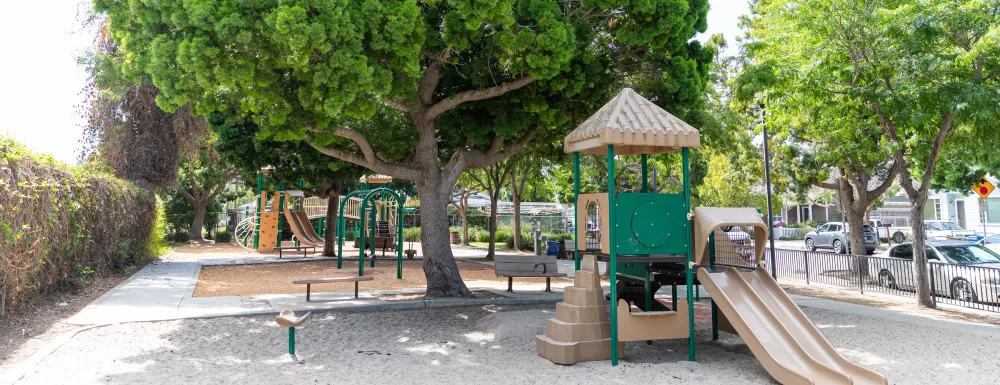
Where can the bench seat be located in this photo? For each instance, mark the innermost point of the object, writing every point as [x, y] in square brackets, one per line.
[310, 281]
[527, 266]
[304, 248]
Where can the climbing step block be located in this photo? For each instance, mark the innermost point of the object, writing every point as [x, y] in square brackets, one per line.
[569, 332]
[652, 325]
[581, 314]
[589, 263]
[569, 353]
[586, 280]
[583, 297]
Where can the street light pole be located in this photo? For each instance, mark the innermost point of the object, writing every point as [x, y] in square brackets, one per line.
[770, 217]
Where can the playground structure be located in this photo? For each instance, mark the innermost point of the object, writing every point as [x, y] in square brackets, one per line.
[375, 211]
[650, 240]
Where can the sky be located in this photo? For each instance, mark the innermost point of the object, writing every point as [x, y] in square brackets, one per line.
[40, 82]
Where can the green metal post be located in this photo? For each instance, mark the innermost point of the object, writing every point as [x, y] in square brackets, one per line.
[256, 227]
[281, 208]
[645, 188]
[715, 308]
[298, 206]
[612, 262]
[361, 249]
[673, 297]
[645, 172]
[687, 267]
[576, 202]
[649, 292]
[697, 292]
[374, 230]
[399, 240]
[291, 341]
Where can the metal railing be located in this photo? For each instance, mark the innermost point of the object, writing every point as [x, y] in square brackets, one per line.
[975, 287]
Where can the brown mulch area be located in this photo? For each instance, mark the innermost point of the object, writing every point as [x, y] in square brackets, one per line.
[25, 332]
[276, 278]
[857, 298]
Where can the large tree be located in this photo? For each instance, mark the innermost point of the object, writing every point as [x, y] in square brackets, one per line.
[475, 81]
[912, 74]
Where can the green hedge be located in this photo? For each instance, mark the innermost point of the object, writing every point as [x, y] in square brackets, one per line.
[62, 224]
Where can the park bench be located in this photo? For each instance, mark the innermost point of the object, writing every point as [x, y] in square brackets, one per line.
[310, 281]
[527, 266]
[304, 248]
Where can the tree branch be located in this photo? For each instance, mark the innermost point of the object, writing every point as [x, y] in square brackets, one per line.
[397, 105]
[369, 158]
[473, 95]
[186, 195]
[432, 76]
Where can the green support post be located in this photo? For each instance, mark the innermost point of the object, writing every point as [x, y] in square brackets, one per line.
[673, 297]
[256, 227]
[612, 261]
[291, 341]
[645, 173]
[688, 267]
[715, 308]
[645, 189]
[576, 202]
[649, 292]
[399, 241]
[281, 208]
[298, 206]
[374, 230]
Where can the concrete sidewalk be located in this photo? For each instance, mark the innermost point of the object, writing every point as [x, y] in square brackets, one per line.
[164, 291]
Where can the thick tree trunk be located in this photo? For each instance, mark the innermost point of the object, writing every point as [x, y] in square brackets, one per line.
[198, 223]
[440, 268]
[332, 209]
[924, 295]
[492, 250]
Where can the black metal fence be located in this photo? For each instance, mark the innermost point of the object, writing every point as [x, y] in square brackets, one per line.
[969, 286]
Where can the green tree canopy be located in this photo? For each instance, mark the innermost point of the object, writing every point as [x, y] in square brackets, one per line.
[474, 81]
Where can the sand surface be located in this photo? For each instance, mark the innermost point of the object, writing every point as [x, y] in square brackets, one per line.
[276, 278]
[477, 345]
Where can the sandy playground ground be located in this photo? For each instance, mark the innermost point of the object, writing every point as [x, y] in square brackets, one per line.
[276, 278]
[477, 345]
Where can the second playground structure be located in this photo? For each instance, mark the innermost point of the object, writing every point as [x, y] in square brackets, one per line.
[650, 240]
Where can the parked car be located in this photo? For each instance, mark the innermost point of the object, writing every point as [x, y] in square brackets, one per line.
[962, 270]
[991, 242]
[836, 236]
[945, 229]
[933, 229]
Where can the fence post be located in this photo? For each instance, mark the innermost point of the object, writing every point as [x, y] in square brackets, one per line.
[930, 272]
[861, 278]
[805, 257]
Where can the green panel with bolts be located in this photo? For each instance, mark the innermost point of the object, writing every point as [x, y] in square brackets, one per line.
[651, 224]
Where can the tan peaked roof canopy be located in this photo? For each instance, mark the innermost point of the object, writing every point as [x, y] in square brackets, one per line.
[375, 179]
[634, 125]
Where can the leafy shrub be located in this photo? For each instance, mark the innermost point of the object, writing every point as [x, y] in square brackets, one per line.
[224, 236]
[61, 224]
[411, 234]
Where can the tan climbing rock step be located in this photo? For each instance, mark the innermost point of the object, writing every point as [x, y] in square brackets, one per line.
[569, 332]
[581, 314]
[586, 280]
[583, 297]
[569, 353]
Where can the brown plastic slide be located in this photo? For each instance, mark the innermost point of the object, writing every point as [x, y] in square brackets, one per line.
[787, 344]
[299, 223]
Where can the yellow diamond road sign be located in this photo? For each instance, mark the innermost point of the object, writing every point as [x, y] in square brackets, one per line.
[983, 187]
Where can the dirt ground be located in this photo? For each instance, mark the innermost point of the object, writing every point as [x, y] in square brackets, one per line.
[906, 305]
[276, 278]
[25, 332]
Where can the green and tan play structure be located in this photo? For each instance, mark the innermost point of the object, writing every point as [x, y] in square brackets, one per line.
[375, 210]
[649, 240]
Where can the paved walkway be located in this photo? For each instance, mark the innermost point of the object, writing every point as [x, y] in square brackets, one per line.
[163, 291]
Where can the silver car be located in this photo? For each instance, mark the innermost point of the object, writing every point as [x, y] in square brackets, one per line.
[837, 236]
[961, 270]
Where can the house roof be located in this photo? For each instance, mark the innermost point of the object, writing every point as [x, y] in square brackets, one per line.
[634, 125]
